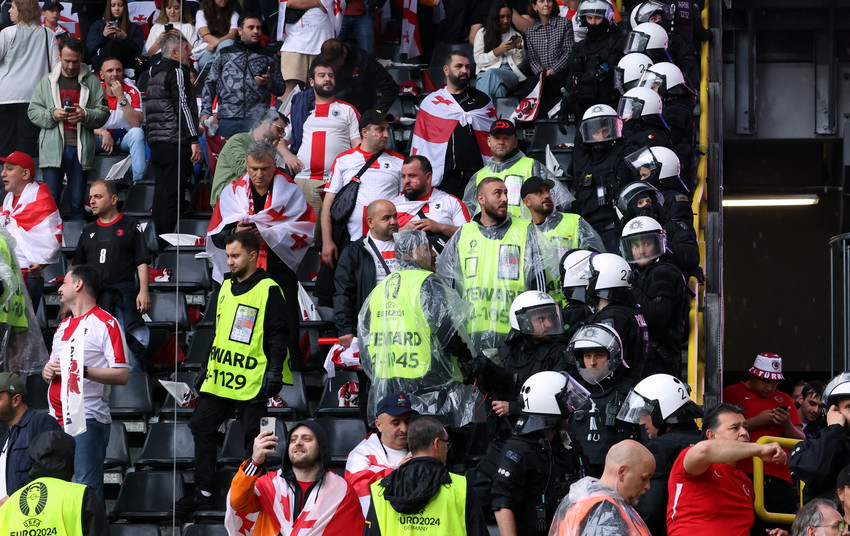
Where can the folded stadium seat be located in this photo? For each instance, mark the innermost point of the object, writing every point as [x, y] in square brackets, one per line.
[309, 268]
[53, 271]
[192, 226]
[148, 496]
[150, 234]
[162, 449]
[71, 232]
[117, 454]
[340, 396]
[166, 307]
[171, 412]
[343, 435]
[546, 132]
[139, 200]
[233, 451]
[400, 74]
[199, 347]
[132, 529]
[144, 80]
[36, 392]
[132, 403]
[221, 480]
[389, 50]
[205, 529]
[208, 319]
[103, 163]
[188, 274]
[505, 106]
[295, 400]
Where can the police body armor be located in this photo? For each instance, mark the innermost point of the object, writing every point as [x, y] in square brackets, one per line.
[596, 188]
[595, 425]
[665, 346]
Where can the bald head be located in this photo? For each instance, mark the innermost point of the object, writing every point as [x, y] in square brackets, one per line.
[382, 219]
[628, 468]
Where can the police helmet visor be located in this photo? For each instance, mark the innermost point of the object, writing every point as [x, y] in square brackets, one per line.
[630, 108]
[601, 129]
[577, 271]
[636, 407]
[642, 247]
[646, 10]
[575, 395]
[599, 9]
[637, 42]
[540, 320]
[643, 159]
[655, 81]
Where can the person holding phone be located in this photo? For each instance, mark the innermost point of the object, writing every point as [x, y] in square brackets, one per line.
[114, 36]
[767, 413]
[498, 52]
[243, 77]
[174, 16]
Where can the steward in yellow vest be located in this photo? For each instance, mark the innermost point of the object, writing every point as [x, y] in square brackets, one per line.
[514, 168]
[411, 336]
[492, 260]
[51, 505]
[422, 497]
[248, 362]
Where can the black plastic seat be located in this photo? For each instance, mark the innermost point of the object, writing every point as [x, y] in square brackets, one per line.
[199, 348]
[36, 389]
[221, 485]
[169, 411]
[233, 451]
[343, 435]
[148, 496]
[133, 400]
[139, 200]
[335, 393]
[189, 274]
[194, 226]
[205, 529]
[132, 529]
[104, 162]
[505, 106]
[71, 232]
[118, 449]
[162, 449]
[51, 272]
[295, 399]
[165, 308]
[546, 132]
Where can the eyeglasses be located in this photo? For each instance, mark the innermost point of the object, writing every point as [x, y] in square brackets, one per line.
[841, 526]
[446, 441]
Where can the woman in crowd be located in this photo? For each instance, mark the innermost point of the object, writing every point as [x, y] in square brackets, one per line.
[177, 15]
[548, 43]
[498, 53]
[216, 23]
[114, 36]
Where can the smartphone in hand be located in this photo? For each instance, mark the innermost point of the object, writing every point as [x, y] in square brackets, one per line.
[267, 424]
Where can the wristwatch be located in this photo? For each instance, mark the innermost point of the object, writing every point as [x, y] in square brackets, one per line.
[122, 103]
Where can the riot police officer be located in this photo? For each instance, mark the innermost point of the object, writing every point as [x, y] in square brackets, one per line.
[643, 125]
[575, 271]
[540, 462]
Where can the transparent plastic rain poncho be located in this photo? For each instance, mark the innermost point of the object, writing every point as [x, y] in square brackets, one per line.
[22, 349]
[405, 329]
[489, 267]
[579, 515]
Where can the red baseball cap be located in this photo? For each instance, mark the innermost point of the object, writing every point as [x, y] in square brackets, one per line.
[22, 159]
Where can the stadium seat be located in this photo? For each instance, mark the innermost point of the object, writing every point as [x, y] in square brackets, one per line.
[233, 451]
[199, 347]
[205, 529]
[309, 268]
[189, 274]
[36, 390]
[505, 106]
[343, 435]
[71, 231]
[167, 444]
[169, 412]
[195, 226]
[166, 306]
[335, 393]
[132, 403]
[139, 201]
[148, 496]
[221, 482]
[117, 450]
[546, 132]
[103, 163]
[53, 271]
[131, 529]
[209, 312]
[295, 398]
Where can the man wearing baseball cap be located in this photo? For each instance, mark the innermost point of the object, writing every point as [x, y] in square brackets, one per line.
[50, 10]
[30, 215]
[511, 165]
[24, 424]
[768, 413]
[376, 456]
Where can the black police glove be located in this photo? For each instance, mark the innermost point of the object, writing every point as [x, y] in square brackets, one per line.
[200, 377]
[272, 383]
[564, 114]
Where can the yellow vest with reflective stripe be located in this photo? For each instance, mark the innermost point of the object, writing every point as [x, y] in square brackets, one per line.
[44, 507]
[399, 333]
[493, 274]
[563, 237]
[14, 313]
[444, 515]
[237, 361]
[513, 178]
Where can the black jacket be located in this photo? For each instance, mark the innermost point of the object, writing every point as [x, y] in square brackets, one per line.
[171, 114]
[630, 325]
[817, 461]
[354, 279]
[19, 436]
[359, 80]
[590, 71]
[647, 131]
[410, 488]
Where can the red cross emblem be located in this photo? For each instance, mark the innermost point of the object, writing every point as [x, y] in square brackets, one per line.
[300, 241]
[442, 100]
[337, 6]
[247, 524]
[305, 525]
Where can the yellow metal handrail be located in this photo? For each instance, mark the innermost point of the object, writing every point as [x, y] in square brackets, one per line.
[696, 339]
[758, 482]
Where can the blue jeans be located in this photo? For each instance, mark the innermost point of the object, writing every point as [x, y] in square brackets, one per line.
[89, 456]
[229, 127]
[132, 141]
[76, 182]
[141, 334]
[363, 27]
[497, 82]
[209, 56]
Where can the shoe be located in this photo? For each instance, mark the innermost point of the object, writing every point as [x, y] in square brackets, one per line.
[194, 501]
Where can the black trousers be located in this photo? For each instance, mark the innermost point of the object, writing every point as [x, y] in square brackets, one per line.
[209, 415]
[171, 168]
[288, 282]
[18, 132]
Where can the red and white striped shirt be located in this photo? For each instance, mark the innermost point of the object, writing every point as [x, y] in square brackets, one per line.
[105, 347]
[381, 181]
[328, 131]
[439, 206]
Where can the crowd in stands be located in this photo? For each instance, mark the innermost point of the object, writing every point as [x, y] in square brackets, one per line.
[510, 315]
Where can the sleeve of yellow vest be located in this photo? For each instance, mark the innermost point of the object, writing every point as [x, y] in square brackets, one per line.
[93, 515]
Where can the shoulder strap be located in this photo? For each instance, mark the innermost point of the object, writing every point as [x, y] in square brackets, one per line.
[47, 47]
[367, 164]
[378, 255]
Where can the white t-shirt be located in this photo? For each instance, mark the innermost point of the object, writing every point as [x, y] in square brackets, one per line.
[381, 181]
[328, 131]
[188, 31]
[387, 251]
[394, 456]
[201, 21]
[439, 206]
[4, 456]
[306, 35]
[105, 347]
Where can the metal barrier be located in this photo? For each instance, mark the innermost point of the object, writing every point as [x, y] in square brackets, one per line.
[758, 482]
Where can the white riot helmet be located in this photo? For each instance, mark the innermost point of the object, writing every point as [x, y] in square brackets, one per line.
[645, 10]
[546, 398]
[643, 240]
[599, 8]
[650, 39]
[662, 397]
[665, 79]
[609, 274]
[596, 337]
[536, 313]
[639, 102]
[836, 389]
[638, 190]
[630, 71]
[657, 165]
[576, 272]
[600, 123]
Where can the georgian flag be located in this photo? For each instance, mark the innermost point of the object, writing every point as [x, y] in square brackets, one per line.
[35, 224]
[411, 43]
[529, 107]
[286, 223]
[71, 364]
[335, 10]
[143, 13]
[438, 115]
[367, 463]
